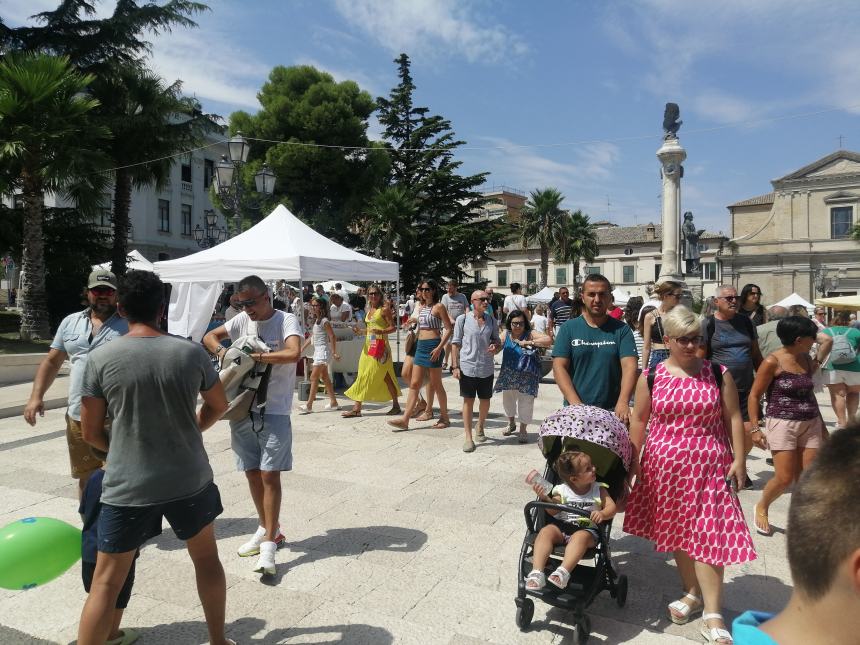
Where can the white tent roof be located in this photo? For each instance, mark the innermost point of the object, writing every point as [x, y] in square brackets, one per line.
[279, 247]
[543, 296]
[621, 297]
[347, 286]
[135, 262]
[793, 299]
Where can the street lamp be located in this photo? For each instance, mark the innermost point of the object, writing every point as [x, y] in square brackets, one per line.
[228, 179]
[212, 234]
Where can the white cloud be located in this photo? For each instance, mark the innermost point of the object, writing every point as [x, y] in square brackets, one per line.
[431, 28]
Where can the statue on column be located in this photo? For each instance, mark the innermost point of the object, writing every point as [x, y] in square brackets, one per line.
[690, 236]
[671, 124]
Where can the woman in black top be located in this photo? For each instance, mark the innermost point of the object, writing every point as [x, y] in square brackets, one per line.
[751, 304]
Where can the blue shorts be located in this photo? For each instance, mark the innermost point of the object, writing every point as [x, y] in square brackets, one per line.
[126, 528]
[422, 353]
[89, 568]
[263, 443]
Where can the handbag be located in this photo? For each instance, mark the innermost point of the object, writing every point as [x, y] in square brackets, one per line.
[411, 339]
[377, 349]
[529, 361]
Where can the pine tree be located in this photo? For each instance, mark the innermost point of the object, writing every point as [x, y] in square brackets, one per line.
[445, 231]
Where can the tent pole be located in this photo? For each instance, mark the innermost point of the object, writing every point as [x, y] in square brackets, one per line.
[397, 315]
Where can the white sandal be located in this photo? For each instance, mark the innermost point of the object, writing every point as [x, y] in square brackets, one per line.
[687, 611]
[536, 580]
[718, 635]
[563, 576]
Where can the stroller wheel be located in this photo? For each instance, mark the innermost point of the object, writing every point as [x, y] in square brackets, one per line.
[525, 613]
[583, 629]
[621, 590]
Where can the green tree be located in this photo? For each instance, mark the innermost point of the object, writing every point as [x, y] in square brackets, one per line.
[389, 223]
[421, 147]
[48, 143]
[326, 184]
[580, 241]
[855, 232]
[148, 120]
[543, 221]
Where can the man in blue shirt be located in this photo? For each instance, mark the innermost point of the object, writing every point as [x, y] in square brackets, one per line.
[76, 337]
[823, 540]
[594, 357]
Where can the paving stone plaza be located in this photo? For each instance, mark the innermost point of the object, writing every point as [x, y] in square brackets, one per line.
[391, 538]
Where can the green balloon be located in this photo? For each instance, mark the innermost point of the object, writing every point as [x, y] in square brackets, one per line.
[35, 550]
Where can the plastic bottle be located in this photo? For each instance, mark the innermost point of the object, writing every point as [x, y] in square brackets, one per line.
[534, 477]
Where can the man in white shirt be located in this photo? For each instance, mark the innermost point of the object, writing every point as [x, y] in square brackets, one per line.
[516, 302]
[263, 444]
[339, 311]
[456, 304]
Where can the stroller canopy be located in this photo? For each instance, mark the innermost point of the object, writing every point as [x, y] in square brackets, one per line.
[590, 424]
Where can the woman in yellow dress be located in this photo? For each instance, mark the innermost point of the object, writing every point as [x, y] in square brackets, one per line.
[375, 380]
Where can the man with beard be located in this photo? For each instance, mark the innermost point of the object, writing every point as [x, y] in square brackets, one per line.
[76, 337]
[594, 357]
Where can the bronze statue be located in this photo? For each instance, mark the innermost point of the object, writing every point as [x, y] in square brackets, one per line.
[670, 121]
[691, 245]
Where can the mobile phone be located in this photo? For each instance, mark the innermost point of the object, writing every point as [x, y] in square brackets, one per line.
[731, 483]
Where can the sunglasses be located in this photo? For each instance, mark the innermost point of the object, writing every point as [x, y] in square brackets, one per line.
[518, 323]
[103, 291]
[247, 303]
[424, 289]
[480, 300]
[686, 341]
[755, 293]
[373, 293]
[676, 295]
[729, 298]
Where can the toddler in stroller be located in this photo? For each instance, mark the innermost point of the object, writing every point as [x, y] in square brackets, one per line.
[583, 445]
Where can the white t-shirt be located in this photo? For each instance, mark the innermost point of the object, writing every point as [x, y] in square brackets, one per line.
[274, 333]
[539, 323]
[335, 311]
[515, 302]
[590, 501]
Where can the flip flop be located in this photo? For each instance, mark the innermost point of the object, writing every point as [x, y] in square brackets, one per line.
[351, 414]
[758, 529]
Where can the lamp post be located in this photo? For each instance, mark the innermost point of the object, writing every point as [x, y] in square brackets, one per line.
[228, 179]
[212, 234]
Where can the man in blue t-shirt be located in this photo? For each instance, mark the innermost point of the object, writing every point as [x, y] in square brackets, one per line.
[594, 356]
[823, 544]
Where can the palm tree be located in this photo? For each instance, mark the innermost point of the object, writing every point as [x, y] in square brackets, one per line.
[149, 120]
[389, 223]
[580, 241]
[543, 221]
[49, 143]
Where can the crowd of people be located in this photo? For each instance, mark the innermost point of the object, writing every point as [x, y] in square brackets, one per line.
[695, 384]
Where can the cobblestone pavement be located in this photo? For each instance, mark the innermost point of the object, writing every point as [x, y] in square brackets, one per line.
[392, 538]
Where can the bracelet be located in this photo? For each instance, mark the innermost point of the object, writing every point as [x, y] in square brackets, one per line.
[752, 432]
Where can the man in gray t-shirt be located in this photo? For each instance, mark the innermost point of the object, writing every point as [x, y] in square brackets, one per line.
[456, 304]
[147, 383]
[476, 341]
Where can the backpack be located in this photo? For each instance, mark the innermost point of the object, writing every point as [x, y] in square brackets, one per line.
[718, 376]
[245, 381]
[711, 325]
[842, 351]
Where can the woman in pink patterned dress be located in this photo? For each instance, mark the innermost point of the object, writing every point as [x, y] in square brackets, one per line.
[683, 499]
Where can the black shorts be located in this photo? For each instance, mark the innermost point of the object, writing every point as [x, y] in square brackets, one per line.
[743, 401]
[474, 387]
[126, 528]
[89, 568]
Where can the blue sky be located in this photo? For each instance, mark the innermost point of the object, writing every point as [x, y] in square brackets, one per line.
[564, 93]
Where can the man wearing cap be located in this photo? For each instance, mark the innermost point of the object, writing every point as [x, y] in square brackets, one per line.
[76, 336]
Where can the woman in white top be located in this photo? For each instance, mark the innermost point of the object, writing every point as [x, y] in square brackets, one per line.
[325, 348]
[539, 320]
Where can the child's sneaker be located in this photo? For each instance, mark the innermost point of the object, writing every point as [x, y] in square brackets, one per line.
[252, 546]
[266, 561]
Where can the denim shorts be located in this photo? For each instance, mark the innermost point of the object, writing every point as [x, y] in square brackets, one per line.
[263, 443]
[423, 348]
[126, 528]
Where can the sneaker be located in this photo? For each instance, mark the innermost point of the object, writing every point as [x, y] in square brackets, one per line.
[329, 406]
[480, 437]
[304, 409]
[252, 546]
[266, 561]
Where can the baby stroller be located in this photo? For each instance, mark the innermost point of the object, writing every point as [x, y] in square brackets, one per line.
[604, 438]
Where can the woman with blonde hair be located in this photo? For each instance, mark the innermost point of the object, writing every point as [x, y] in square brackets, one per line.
[653, 349]
[684, 497]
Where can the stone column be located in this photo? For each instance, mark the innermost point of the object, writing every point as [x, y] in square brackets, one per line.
[671, 156]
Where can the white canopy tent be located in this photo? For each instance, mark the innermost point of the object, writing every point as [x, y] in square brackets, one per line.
[542, 297]
[347, 286]
[135, 262]
[280, 247]
[795, 299]
[621, 297]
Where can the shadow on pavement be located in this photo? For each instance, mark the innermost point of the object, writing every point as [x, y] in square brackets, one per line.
[252, 631]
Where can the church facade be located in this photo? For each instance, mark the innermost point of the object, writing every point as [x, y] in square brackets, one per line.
[797, 238]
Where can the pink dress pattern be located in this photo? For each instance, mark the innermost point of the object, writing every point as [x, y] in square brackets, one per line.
[682, 501]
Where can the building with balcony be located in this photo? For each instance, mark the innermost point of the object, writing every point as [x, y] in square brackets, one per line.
[797, 238]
